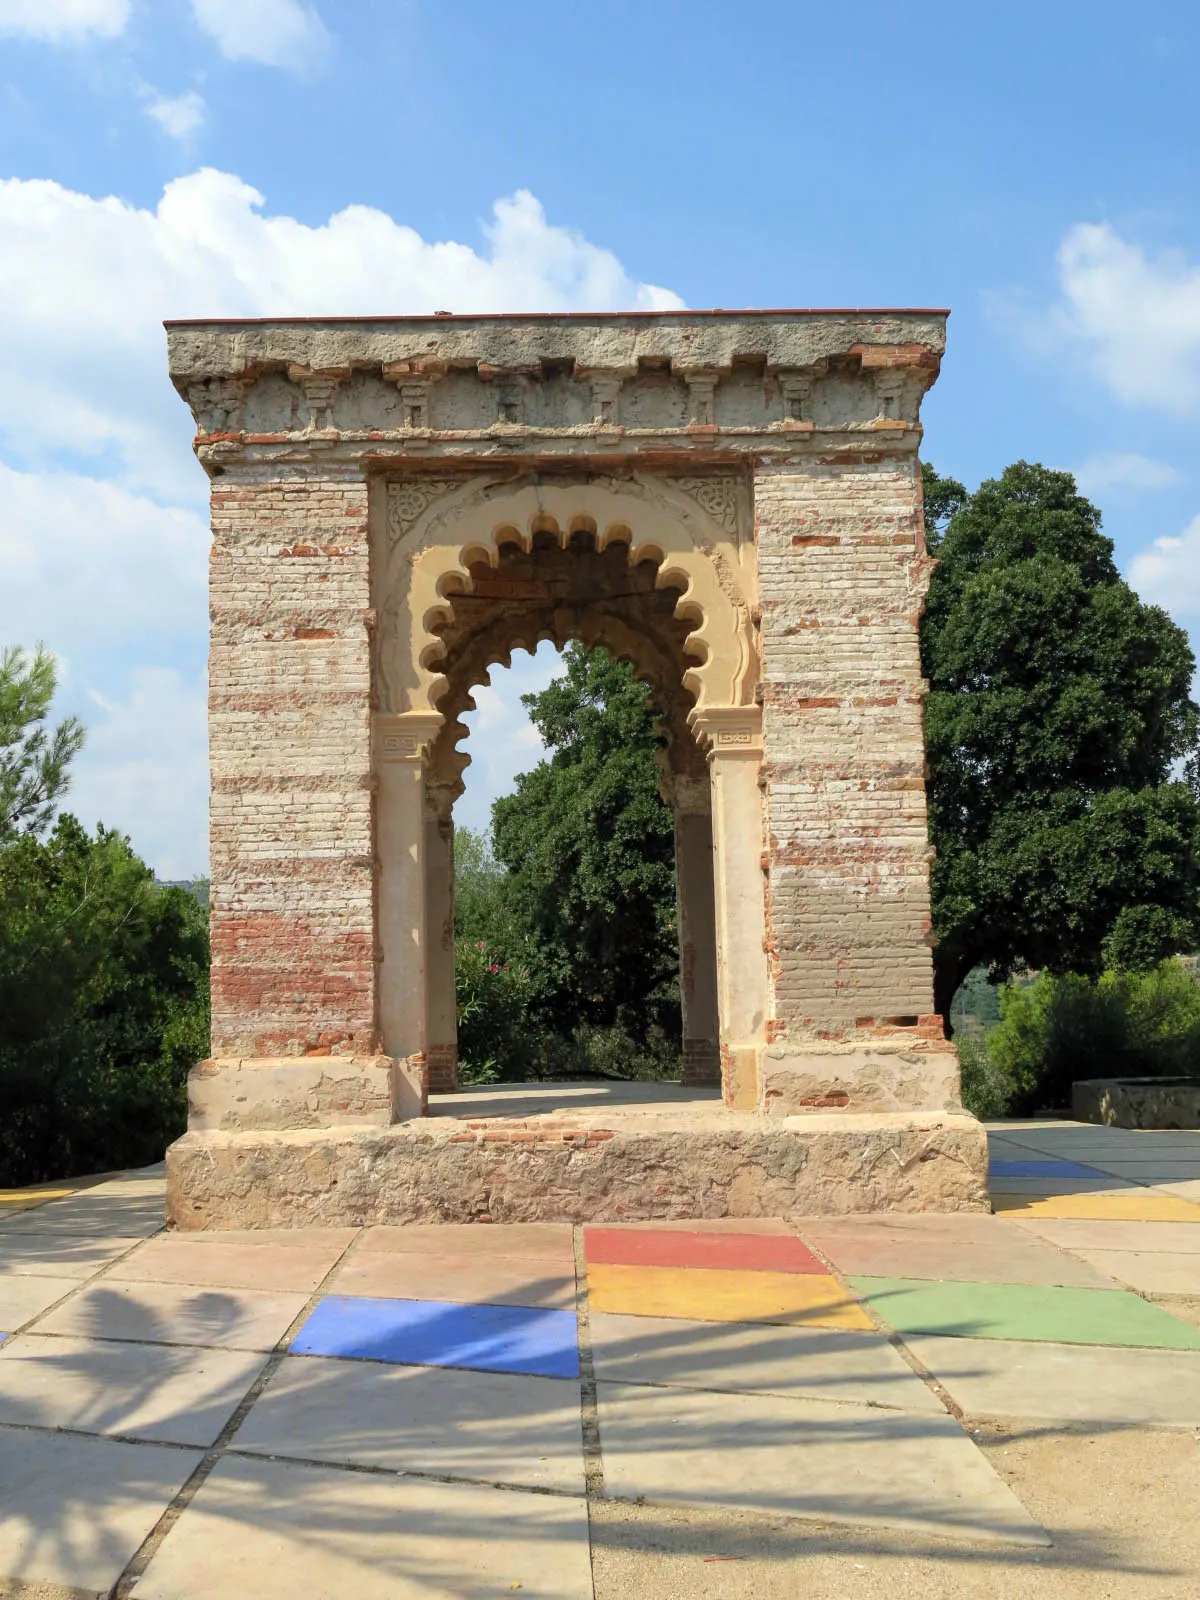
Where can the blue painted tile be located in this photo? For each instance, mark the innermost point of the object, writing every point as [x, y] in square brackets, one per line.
[436, 1333]
[1042, 1169]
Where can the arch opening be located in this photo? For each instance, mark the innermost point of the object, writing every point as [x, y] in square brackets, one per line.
[550, 589]
[483, 567]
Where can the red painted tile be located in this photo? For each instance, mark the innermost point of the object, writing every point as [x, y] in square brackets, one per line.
[739, 1252]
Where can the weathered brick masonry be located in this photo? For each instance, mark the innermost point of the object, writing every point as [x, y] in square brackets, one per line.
[289, 719]
[843, 573]
[731, 502]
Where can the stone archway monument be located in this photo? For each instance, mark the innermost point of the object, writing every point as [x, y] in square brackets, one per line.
[732, 502]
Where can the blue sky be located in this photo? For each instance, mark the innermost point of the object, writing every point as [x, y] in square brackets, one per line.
[1034, 168]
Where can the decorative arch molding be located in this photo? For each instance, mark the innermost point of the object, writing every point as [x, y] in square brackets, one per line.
[437, 529]
[651, 659]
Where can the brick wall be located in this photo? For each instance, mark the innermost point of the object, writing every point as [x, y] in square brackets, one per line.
[843, 573]
[289, 691]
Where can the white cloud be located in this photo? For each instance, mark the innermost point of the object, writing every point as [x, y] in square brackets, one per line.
[178, 115]
[1124, 469]
[84, 284]
[98, 567]
[1168, 573]
[89, 567]
[503, 742]
[144, 770]
[1136, 317]
[64, 21]
[275, 33]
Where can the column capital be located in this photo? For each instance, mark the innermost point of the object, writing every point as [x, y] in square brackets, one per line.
[404, 736]
[730, 730]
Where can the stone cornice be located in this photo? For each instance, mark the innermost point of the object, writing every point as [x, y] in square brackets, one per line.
[699, 340]
[699, 386]
[597, 448]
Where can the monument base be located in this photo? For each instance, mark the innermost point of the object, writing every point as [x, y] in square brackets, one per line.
[581, 1153]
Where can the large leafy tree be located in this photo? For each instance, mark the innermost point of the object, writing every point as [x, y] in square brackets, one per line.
[589, 850]
[103, 971]
[1058, 726]
[103, 1004]
[33, 759]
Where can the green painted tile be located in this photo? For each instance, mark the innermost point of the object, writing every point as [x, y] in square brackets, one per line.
[1024, 1311]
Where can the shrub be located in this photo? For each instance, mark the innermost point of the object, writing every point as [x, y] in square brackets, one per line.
[591, 1051]
[495, 1039]
[1057, 1030]
[986, 1090]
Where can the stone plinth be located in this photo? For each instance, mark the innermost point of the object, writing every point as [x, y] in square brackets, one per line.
[539, 1155]
[1138, 1102]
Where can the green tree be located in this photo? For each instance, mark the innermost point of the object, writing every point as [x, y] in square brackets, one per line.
[103, 1004]
[1058, 716]
[1122, 1024]
[33, 760]
[588, 845]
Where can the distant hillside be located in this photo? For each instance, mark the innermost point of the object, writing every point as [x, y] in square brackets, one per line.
[196, 886]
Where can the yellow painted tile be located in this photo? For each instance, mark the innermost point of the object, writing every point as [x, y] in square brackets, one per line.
[707, 1294]
[1136, 1206]
[24, 1199]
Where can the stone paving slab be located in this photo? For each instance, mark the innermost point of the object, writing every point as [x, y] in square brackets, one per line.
[1084, 1233]
[1160, 1272]
[702, 1294]
[1020, 1167]
[496, 1427]
[73, 1511]
[22, 1299]
[274, 1531]
[1184, 1191]
[474, 1279]
[978, 1249]
[1066, 1383]
[82, 1217]
[819, 1363]
[659, 1248]
[58, 1255]
[1153, 1172]
[1137, 1205]
[774, 1226]
[152, 1392]
[804, 1458]
[333, 1240]
[1024, 1311]
[1102, 1183]
[295, 1265]
[437, 1333]
[551, 1240]
[169, 1313]
[1185, 1306]
[1118, 1503]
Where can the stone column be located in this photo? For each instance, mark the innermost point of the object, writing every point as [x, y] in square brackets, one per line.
[697, 921]
[294, 1033]
[441, 1049]
[843, 572]
[735, 757]
[401, 743]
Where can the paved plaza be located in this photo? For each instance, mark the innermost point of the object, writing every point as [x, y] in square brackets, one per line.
[891, 1405]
